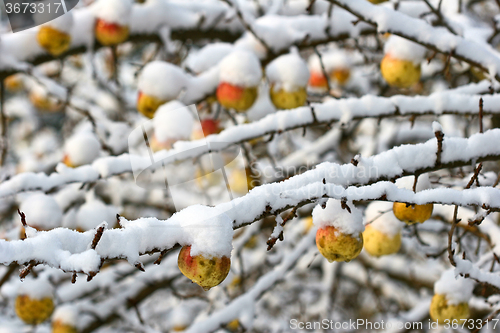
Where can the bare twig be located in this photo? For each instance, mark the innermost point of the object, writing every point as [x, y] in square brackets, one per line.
[439, 137]
[272, 241]
[454, 223]
[441, 18]
[323, 69]
[23, 218]
[480, 115]
[247, 26]
[97, 237]
[3, 124]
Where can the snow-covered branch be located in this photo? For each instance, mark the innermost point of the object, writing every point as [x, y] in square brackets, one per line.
[344, 110]
[475, 52]
[183, 20]
[70, 250]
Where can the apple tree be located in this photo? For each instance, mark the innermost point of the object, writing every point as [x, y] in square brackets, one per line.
[251, 165]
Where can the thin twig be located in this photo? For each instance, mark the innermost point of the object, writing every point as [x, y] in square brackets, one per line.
[480, 115]
[439, 137]
[246, 24]
[454, 223]
[3, 123]
[97, 237]
[440, 16]
[323, 69]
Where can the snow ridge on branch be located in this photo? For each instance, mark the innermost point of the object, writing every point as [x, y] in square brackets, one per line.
[329, 112]
[71, 251]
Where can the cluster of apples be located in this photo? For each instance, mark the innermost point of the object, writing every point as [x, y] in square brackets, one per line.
[335, 64]
[111, 27]
[381, 236]
[239, 77]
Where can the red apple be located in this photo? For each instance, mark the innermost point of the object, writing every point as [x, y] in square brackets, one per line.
[236, 97]
[206, 272]
[208, 127]
[110, 33]
[318, 80]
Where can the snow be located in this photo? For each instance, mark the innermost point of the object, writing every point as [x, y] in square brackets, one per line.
[436, 127]
[66, 314]
[388, 20]
[403, 49]
[162, 80]
[288, 72]
[381, 217]
[240, 68]
[334, 215]
[42, 211]
[248, 42]
[457, 289]
[36, 288]
[330, 111]
[82, 148]
[423, 182]
[113, 11]
[91, 214]
[62, 23]
[173, 121]
[242, 305]
[333, 59]
[208, 230]
[208, 56]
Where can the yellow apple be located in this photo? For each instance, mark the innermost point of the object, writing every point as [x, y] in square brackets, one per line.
[60, 327]
[337, 246]
[399, 73]
[33, 311]
[285, 100]
[411, 214]
[308, 221]
[440, 310]
[14, 83]
[341, 75]
[206, 272]
[147, 104]
[241, 183]
[205, 179]
[252, 242]
[110, 33]
[235, 97]
[233, 325]
[43, 102]
[53, 41]
[156, 146]
[377, 243]
[478, 73]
